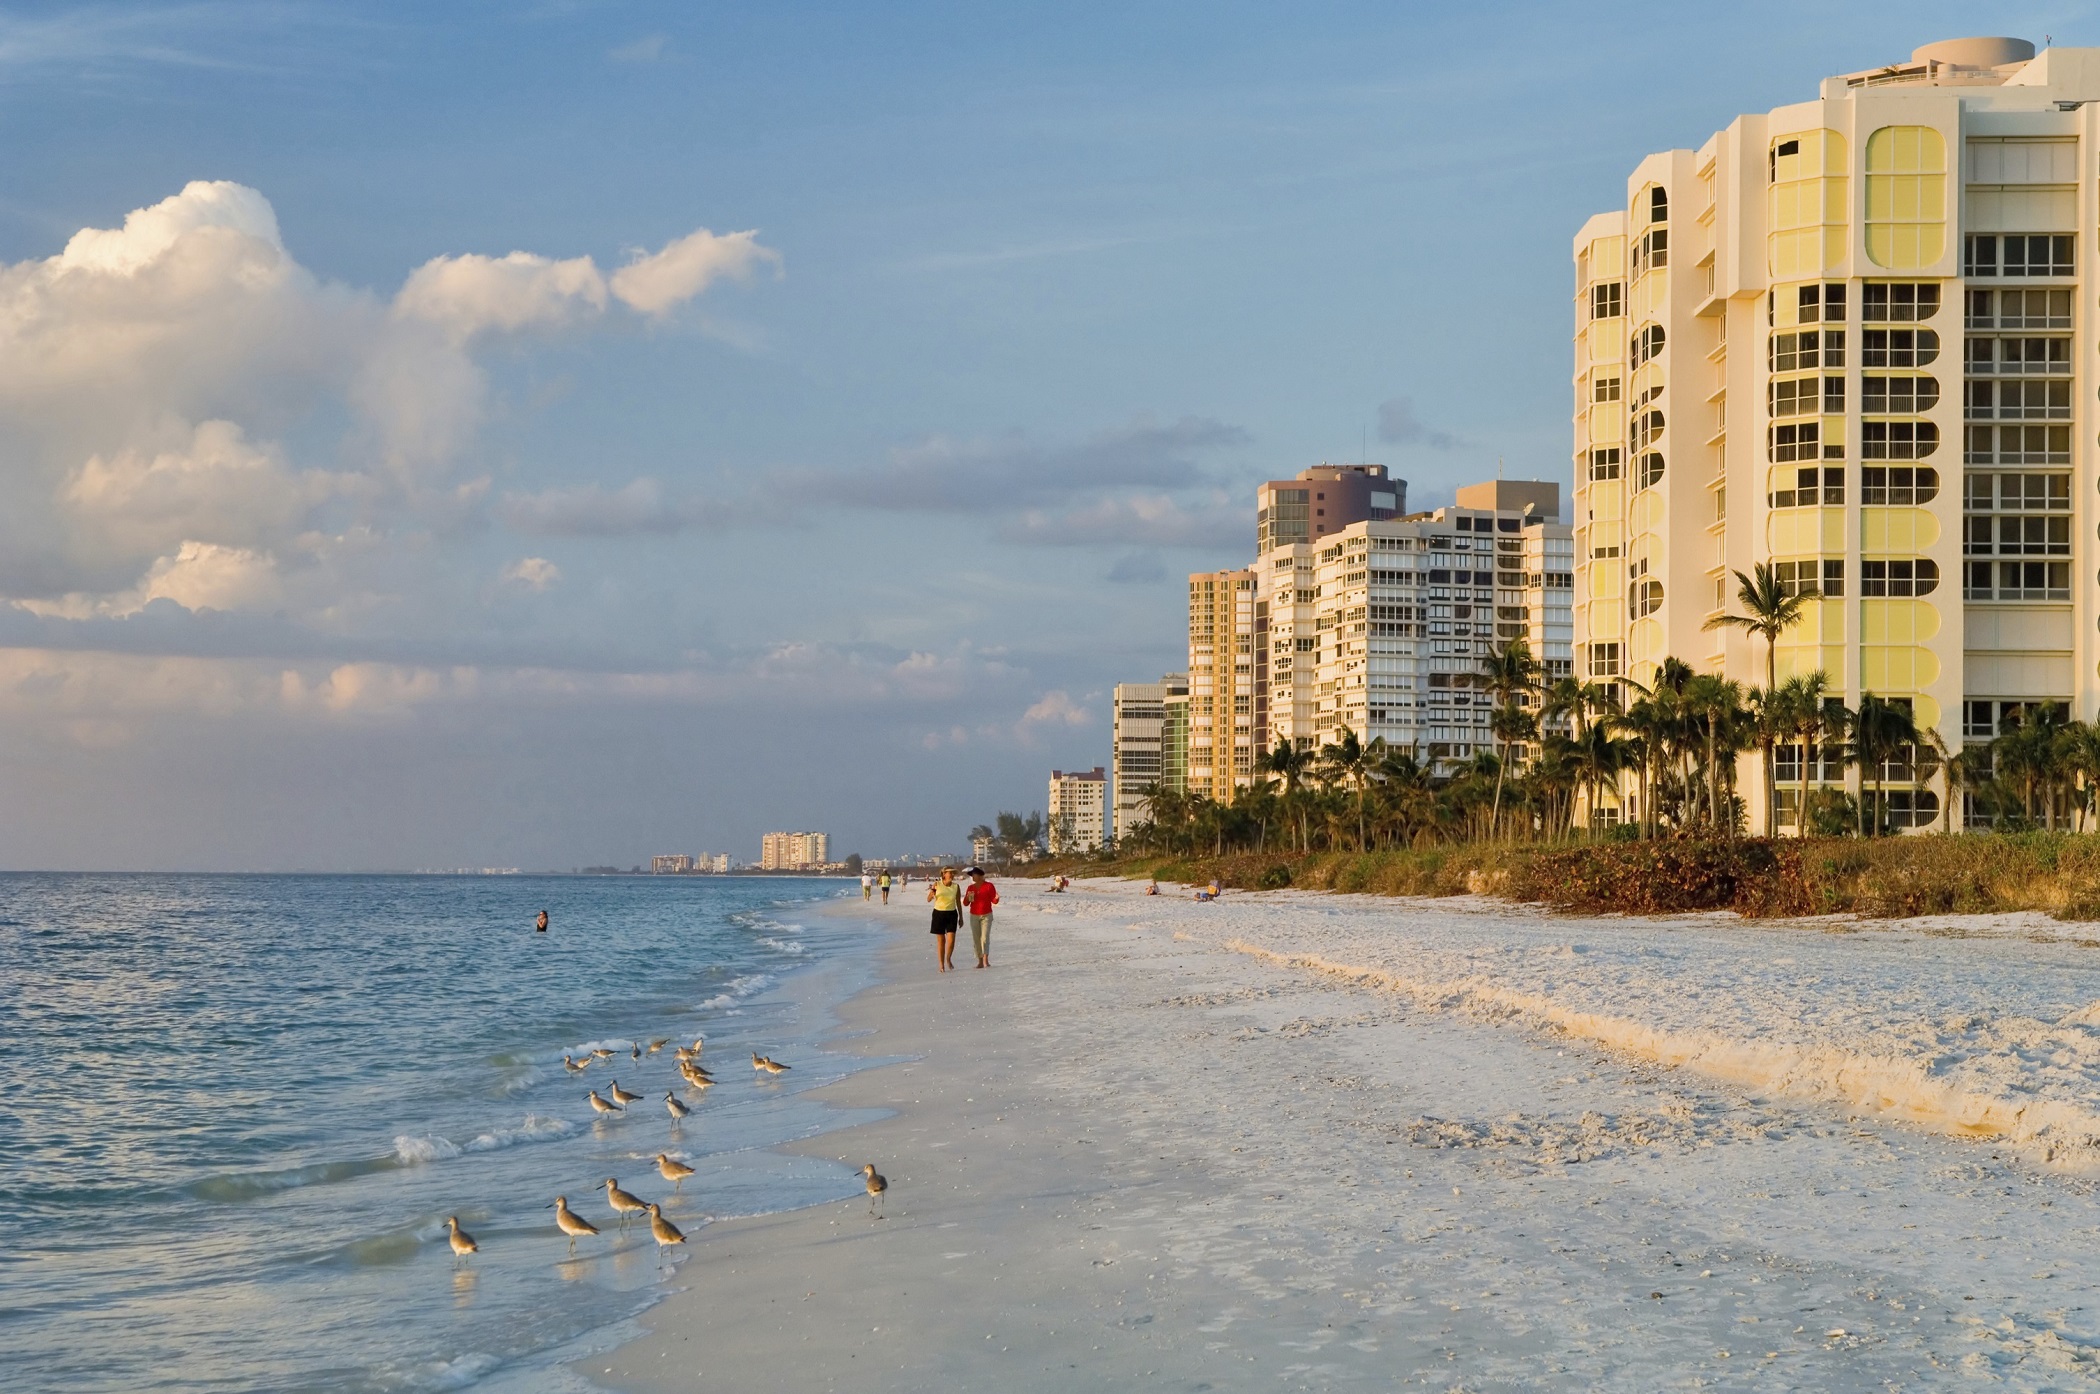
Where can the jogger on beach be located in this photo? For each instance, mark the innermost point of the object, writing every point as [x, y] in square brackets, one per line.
[978, 898]
[946, 898]
[882, 883]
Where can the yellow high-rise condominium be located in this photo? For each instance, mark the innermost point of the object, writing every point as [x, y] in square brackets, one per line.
[1854, 338]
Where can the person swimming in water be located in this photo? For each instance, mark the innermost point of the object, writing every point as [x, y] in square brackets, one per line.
[541, 926]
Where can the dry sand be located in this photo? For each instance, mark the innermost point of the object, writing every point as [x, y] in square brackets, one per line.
[1148, 1150]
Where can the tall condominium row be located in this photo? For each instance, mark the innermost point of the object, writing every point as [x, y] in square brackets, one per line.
[1355, 615]
[1765, 370]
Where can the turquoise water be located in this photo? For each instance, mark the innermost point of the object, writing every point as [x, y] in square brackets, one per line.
[235, 1112]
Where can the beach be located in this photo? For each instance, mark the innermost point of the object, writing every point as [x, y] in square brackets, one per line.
[1303, 1141]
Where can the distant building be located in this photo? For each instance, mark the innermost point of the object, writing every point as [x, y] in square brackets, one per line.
[803, 851]
[981, 849]
[1228, 681]
[713, 863]
[1322, 500]
[1139, 753]
[1078, 805]
[678, 865]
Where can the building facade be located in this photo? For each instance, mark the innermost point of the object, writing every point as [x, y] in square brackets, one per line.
[804, 851]
[1390, 620]
[1228, 682]
[1078, 807]
[1138, 755]
[1766, 371]
[677, 864]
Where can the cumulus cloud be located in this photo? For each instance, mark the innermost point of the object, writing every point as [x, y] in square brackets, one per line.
[153, 373]
[1398, 425]
[533, 573]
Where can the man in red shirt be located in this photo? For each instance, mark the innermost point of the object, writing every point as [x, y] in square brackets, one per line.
[978, 899]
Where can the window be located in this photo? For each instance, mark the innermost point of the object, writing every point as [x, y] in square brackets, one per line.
[2012, 535]
[1604, 464]
[2019, 254]
[1648, 471]
[1898, 348]
[1905, 577]
[1604, 660]
[2018, 357]
[1787, 352]
[1791, 442]
[1658, 205]
[1796, 397]
[1807, 487]
[1645, 598]
[2035, 400]
[1898, 484]
[1806, 206]
[1608, 300]
[2016, 445]
[2017, 493]
[1651, 252]
[1897, 440]
[1647, 343]
[2019, 309]
[1810, 577]
[2016, 580]
[1898, 396]
[1604, 389]
[1899, 302]
[1647, 429]
[1822, 302]
[1906, 197]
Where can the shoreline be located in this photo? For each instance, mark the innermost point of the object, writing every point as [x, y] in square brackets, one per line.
[1136, 1153]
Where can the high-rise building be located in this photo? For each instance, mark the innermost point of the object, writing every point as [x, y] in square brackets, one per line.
[1765, 372]
[794, 851]
[1228, 680]
[1139, 750]
[675, 865]
[1392, 618]
[1078, 805]
[1322, 500]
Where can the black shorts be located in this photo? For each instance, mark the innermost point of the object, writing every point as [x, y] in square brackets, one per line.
[944, 921]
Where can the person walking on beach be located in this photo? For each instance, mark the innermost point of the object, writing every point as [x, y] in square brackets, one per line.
[978, 898]
[946, 899]
[867, 886]
[882, 883]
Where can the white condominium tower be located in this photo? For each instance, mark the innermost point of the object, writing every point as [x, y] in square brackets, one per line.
[1078, 805]
[1139, 748]
[1851, 337]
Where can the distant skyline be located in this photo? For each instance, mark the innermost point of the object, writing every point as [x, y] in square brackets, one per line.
[551, 435]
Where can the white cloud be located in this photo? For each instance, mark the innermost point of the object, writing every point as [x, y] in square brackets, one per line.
[657, 282]
[472, 294]
[534, 573]
[212, 485]
[1056, 709]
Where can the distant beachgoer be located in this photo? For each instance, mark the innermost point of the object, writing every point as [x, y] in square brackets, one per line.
[541, 926]
[882, 882]
[946, 899]
[867, 886]
[978, 898]
[1152, 886]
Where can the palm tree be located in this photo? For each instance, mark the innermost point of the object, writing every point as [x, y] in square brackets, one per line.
[1350, 761]
[1510, 672]
[1291, 760]
[1880, 731]
[1769, 610]
[1598, 757]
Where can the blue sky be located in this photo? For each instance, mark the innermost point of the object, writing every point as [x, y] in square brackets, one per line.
[417, 558]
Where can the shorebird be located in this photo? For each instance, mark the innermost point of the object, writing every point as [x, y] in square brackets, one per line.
[758, 1062]
[678, 1110]
[772, 1066]
[462, 1242]
[574, 1067]
[699, 1043]
[601, 1054]
[599, 1104]
[637, 1051]
[620, 1201]
[696, 1080]
[571, 1223]
[658, 1044]
[694, 1067]
[877, 1184]
[622, 1097]
[673, 1172]
[662, 1230]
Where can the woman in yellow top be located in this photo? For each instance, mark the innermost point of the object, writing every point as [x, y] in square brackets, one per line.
[946, 899]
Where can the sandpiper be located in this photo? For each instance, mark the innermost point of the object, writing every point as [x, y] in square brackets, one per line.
[662, 1230]
[620, 1201]
[599, 1104]
[658, 1044]
[678, 1110]
[772, 1066]
[601, 1054]
[877, 1184]
[622, 1097]
[573, 1066]
[462, 1242]
[674, 1172]
[637, 1050]
[571, 1223]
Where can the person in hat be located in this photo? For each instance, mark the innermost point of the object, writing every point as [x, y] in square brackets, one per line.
[978, 899]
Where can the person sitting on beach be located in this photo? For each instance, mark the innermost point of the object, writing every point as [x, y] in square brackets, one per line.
[1152, 886]
[946, 899]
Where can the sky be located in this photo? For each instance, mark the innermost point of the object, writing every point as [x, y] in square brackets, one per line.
[548, 435]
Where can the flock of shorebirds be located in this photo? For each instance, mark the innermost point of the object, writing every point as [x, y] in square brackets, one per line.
[624, 1204]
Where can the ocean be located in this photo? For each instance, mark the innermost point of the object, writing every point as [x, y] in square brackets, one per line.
[236, 1110]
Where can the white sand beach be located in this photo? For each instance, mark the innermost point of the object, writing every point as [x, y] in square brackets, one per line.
[1305, 1141]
